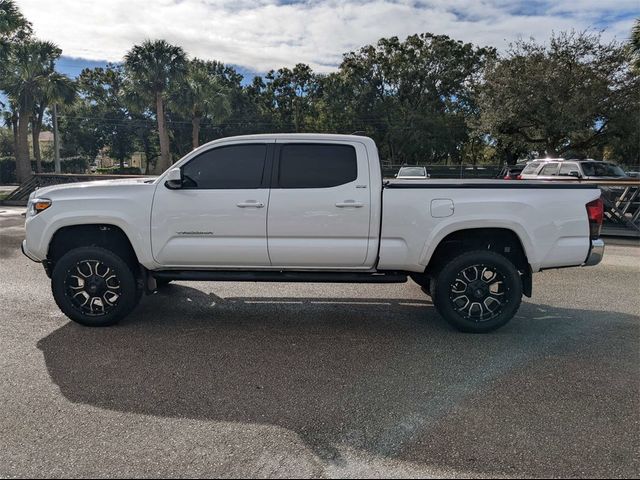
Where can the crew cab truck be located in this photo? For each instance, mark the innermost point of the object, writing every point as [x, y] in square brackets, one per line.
[307, 208]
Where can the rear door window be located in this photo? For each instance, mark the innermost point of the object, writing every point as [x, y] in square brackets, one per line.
[567, 168]
[316, 165]
[549, 169]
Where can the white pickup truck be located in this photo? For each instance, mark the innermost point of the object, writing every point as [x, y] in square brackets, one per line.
[307, 208]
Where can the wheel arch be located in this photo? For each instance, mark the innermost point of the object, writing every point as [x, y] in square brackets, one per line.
[105, 235]
[504, 241]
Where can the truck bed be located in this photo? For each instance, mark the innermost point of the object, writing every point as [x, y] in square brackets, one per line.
[487, 183]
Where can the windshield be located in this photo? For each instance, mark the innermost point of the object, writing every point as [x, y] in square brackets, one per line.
[412, 172]
[602, 169]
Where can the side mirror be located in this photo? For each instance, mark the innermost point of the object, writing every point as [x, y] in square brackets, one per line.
[574, 173]
[174, 179]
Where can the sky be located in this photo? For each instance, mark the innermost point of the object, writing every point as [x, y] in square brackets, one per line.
[259, 35]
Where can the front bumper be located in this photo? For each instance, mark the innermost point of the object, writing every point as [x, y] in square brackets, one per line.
[26, 252]
[596, 252]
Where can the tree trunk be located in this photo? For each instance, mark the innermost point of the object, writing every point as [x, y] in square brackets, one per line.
[14, 128]
[195, 131]
[165, 160]
[147, 153]
[35, 135]
[23, 163]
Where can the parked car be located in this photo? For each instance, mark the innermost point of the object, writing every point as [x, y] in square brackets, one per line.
[552, 169]
[307, 208]
[412, 173]
[510, 172]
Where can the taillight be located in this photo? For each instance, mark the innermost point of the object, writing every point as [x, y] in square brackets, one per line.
[519, 177]
[507, 177]
[595, 213]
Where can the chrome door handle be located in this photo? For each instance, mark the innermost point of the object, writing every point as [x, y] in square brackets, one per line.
[250, 204]
[350, 203]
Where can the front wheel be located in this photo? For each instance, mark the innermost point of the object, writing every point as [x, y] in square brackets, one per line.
[94, 287]
[478, 291]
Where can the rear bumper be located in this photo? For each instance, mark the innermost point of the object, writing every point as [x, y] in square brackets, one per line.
[596, 252]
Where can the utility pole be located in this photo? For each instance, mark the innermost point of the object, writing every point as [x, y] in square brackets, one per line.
[56, 141]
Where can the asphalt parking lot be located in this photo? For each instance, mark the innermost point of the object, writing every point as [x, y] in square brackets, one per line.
[314, 380]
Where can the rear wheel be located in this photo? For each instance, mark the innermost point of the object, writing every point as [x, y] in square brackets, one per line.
[94, 287]
[478, 291]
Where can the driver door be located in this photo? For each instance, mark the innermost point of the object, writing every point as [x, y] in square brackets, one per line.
[219, 216]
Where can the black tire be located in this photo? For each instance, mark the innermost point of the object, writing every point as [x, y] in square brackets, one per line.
[94, 287]
[423, 280]
[496, 290]
[161, 283]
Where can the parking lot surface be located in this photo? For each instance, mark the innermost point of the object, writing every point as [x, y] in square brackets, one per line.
[321, 380]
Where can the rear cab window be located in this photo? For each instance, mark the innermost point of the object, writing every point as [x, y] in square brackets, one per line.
[307, 165]
[412, 171]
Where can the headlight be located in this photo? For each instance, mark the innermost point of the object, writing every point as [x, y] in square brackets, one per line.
[38, 205]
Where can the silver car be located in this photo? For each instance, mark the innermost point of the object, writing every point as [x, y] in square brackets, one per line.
[412, 173]
[558, 168]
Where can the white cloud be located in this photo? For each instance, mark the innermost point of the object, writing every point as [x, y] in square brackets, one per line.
[265, 34]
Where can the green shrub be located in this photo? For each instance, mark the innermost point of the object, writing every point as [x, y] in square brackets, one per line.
[119, 171]
[7, 170]
[77, 164]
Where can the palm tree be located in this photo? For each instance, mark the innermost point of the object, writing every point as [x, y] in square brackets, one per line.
[27, 72]
[58, 89]
[10, 117]
[200, 94]
[635, 42]
[152, 67]
[13, 26]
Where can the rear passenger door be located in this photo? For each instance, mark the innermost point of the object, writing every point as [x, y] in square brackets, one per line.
[319, 206]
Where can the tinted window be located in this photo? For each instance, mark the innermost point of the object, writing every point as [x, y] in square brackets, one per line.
[236, 166]
[316, 166]
[602, 169]
[531, 167]
[565, 168]
[549, 169]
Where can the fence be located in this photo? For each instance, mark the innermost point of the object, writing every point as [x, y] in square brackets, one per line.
[621, 207]
[39, 180]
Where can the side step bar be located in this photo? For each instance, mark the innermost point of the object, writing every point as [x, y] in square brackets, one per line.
[267, 276]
